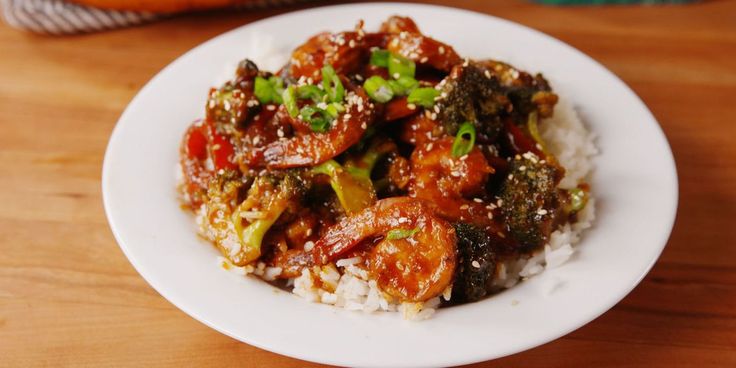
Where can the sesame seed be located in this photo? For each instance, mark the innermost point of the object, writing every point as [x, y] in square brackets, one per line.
[441, 50]
[396, 75]
[411, 106]
[464, 207]
[351, 43]
[475, 264]
[541, 211]
[270, 107]
[488, 74]
[424, 60]
[477, 200]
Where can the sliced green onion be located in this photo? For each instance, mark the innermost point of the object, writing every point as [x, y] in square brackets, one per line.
[423, 96]
[404, 85]
[464, 140]
[533, 127]
[309, 92]
[401, 233]
[354, 193]
[399, 66]
[289, 97]
[268, 90]
[317, 118]
[380, 58]
[578, 199]
[334, 109]
[378, 89]
[332, 84]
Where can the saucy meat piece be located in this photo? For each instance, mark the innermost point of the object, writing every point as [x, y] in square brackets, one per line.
[424, 50]
[345, 51]
[316, 147]
[398, 24]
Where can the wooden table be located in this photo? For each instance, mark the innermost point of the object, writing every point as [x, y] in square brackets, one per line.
[68, 296]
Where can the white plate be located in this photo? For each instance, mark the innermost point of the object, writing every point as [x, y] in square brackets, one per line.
[634, 182]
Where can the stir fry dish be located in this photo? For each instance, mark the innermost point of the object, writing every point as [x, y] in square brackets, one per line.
[379, 159]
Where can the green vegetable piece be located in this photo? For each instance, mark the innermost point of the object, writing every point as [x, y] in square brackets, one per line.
[464, 140]
[533, 127]
[334, 109]
[399, 66]
[309, 91]
[268, 90]
[289, 97]
[578, 200]
[380, 58]
[319, 120]
[395, 234]
[403, 86]
[363, 166]
[354, 193]
[378, 89]
[332, 84]
[251, 236]
[423, 96]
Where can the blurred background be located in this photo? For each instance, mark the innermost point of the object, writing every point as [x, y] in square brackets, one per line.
[69, 297]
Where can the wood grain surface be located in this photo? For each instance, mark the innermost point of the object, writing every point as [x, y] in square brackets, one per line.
[69, 297]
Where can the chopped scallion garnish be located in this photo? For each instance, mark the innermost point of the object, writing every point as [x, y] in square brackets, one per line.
[404, 85]
[423, 96]
[464, 140]
[268, 90]
[289, 97]
[319, 120]
[395, 234]
[578, 199]
[332, 84]
[378, 89]
[399, 66]
[309, 91]
[380, 58]
[334, 109]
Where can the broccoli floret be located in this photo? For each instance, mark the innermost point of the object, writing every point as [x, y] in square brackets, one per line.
[531, 200]
[476, 266]
[471, 96]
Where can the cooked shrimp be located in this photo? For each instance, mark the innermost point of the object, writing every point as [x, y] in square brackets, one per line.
[343, 51]
[447, 182]
[424, 50]
[417, 267]
[314, 148]
[397, 24]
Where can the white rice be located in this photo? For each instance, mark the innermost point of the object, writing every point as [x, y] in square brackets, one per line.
[346, 285]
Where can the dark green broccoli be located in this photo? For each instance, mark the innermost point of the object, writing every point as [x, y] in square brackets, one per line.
[471, 94]
[234, 102]
[531, 202]
[476, 265]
